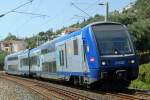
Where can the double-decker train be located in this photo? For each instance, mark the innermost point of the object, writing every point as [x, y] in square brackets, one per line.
[97, 53]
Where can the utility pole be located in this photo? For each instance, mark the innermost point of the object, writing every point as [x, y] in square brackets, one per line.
[106, 4]
[37, 40]
[107, 11]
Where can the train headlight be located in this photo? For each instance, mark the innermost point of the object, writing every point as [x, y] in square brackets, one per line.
[132, 61]
[103, 63]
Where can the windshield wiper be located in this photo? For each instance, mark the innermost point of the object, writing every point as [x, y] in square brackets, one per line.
[116, 52]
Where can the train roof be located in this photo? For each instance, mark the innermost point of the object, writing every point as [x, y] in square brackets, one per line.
[45, 44]
[15, 54]
[104, 23]
[49, 42]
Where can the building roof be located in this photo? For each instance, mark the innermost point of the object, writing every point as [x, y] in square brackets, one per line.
[13, 41]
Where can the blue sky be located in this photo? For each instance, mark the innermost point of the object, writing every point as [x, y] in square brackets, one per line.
[60, 13]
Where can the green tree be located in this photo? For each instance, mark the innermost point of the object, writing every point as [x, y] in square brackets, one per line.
[141, 33]
[142, 8]
[31, 42]
[11, 37]
[2, 57]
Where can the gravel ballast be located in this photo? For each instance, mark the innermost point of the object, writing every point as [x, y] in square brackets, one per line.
[12, 91]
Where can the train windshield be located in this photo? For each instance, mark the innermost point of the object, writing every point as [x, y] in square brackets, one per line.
[113, 40]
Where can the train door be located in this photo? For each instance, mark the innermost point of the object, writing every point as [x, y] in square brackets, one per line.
[74, 54]
[61, 50]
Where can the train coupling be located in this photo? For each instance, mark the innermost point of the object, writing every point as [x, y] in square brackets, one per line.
[121, 74]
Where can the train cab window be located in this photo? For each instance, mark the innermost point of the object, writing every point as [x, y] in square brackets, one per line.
[75, 46]
[61, 57]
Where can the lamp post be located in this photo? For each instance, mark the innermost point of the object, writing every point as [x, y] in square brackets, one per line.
[106, 8]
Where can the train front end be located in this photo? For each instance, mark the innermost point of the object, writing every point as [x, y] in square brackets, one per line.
[116, 57]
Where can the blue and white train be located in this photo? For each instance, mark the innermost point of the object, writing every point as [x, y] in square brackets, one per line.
[96, 53]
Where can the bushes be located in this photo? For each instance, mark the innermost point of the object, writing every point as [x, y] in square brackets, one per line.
[143, 81]
[140, 85]
[144, 57]
[144, 74]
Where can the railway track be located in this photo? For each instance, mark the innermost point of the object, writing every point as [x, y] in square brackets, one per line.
[136, 96]
[52, 91]
[47, 90]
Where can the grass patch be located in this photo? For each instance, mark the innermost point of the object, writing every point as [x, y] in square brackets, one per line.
[140, 85]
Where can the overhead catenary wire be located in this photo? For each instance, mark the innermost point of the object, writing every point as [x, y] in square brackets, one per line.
[86, 3]
[83, 17]
[38, 6]
[92, 4]
[30, 13]
[89, 6]
[30, 1]
[83, 11]
[80, 9]
[33, 16]
[83, 3]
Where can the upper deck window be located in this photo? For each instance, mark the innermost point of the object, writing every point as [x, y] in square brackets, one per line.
[44, 51]
[12, 58]
[49, 48]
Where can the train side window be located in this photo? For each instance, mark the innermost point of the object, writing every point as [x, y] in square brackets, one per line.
[24, 62]
[50, 67]
[75, 46]
[54, 66]
[12, 67]
[45, 67]
[61, 57]
[34, 60]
